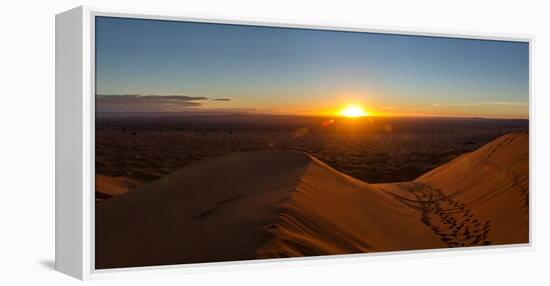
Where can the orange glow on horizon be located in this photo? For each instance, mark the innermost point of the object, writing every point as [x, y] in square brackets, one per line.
[353, 111]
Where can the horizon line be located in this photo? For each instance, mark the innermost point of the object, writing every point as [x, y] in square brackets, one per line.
[228, 113]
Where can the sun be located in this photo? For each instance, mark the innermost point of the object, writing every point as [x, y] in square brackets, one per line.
[353, 111]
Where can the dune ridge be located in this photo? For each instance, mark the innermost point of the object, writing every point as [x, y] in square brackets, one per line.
[271, 204]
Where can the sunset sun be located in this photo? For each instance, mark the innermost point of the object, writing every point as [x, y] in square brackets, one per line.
[353, 111]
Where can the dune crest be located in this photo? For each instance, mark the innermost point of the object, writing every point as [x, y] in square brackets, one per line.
[285, 203]
[480, 198]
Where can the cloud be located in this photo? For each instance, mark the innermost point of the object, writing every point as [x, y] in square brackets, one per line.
[507, 103]
[146, 103]
[420, 108]
[150, 97]
[483, 103]
[222, 99]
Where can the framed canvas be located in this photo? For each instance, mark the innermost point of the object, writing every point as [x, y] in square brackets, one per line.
[184, 142]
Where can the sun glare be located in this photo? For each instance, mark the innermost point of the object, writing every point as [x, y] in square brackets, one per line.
[353, 111]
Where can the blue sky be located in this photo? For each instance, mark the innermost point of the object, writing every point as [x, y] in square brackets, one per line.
[282, 70]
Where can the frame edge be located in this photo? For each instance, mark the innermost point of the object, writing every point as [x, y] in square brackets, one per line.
[69, 244]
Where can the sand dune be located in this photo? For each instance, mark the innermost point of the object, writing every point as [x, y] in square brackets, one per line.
[107, 187]
[286, 203]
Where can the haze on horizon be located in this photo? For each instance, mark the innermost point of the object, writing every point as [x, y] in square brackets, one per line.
[171, 66]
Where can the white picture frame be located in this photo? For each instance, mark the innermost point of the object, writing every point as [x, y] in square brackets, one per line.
[75, 116]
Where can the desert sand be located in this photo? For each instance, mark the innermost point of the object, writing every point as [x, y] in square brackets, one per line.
[108, 187]
[269, 204]
[374, 150]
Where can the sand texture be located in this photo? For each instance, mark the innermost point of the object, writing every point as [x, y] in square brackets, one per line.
[268, 204]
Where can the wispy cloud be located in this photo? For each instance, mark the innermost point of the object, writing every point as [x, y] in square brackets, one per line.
[483, 103]
[420, 108]
[146, 103]
[149, 103]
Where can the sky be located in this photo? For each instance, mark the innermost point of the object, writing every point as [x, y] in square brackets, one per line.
[173, 66]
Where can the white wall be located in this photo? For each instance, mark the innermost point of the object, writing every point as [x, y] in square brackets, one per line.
[27, 134]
